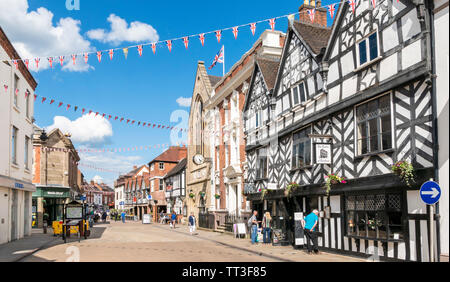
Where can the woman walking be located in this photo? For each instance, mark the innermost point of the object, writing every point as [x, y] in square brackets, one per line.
[267, 228]
[174, 219]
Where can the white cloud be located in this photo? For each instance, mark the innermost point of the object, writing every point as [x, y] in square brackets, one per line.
[88, 129]
[122, 32]
[98, 179]
[184, 102]
[110, 161]
[33, 34]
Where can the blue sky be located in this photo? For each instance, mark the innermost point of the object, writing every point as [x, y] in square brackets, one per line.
[142, 88]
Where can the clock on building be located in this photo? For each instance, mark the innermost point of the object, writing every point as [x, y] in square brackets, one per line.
[199, 159]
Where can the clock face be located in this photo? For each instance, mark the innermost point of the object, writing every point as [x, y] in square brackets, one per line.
[199, 159]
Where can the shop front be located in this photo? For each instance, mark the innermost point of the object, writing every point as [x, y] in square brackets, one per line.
[48, 204]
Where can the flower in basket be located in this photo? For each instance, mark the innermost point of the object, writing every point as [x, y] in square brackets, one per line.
[290, 188]
[191, 195]
[264, 192]
[202, 194]
[333, 179]
[217, 196]
[404, 170]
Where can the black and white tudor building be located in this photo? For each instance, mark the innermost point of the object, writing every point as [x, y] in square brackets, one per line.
[360, 92]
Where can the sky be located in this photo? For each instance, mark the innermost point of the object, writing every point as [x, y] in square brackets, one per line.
[151, 88]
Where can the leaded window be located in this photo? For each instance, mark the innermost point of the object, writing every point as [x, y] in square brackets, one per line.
[301, 150]
[375, 216]
[261, 164]
[374, 128]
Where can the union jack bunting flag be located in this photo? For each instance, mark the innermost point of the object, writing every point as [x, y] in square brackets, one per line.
[272, 24]
[139, 50]
[202, 38]
[6, 87]
[16, 63]
[99, 56]
[331, 9]
[86, 58]
[311, 14]
[61, 60]
[74, 59]
[235, 32]
[27, 63]
[154, 48]
[111, 54]
[253, 28]
[186, 41]
[50, 61]
[218, 35]
[37, 60]
[169, 45]
[218, 58]
[353, 4]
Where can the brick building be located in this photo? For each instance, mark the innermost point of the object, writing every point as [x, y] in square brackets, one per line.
[225, 132]
[159, 167]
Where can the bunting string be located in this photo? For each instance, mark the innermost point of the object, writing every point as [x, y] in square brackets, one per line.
[111, 150]
[107, 116]
[185, 39]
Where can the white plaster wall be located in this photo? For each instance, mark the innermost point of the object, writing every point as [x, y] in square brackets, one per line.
[442, 66]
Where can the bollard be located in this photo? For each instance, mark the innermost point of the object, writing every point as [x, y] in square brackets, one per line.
[45, 228]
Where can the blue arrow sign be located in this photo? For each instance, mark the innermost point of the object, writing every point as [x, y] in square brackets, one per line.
[149, 197]
[430, 192]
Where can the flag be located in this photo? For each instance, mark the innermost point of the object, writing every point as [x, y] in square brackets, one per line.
[202, 38]
[154, 48]
[374, 3]
[35, 96]
[331, 9]
[27, 63]
[140, 50]
[186, 41]
[353, 4]
[125, 52]
[74, 59]
[75, 108]
[291, 18]
[235, 32]
[6, 87]
[68, 106]
[50, 61]
[37, 60]
[253, 28]
[218, 35]
[60, 104]
[218, 58]
[82, 111]
[16, 63]
[43, 99]
[86, 57]
[99, 56]
[111, 54]
[311, 13]
[272, 24]
[61, 60]
[169, 45]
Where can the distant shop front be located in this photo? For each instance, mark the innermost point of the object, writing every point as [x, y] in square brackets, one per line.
[48, 204]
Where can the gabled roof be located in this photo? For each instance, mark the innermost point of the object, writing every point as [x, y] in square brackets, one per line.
[214, 79]
[340, 14]
[315, 36]
[171, 155]
[178, 168]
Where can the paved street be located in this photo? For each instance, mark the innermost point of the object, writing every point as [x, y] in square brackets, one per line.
[134, 242]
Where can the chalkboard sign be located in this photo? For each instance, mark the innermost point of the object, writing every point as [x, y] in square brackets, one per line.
[299, 232]
[279, 237]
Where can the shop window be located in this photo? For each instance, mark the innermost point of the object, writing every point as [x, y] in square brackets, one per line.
[374, 126]
[374, 216]
[301, 150]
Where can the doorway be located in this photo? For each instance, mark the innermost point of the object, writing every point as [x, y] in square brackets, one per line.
[14, 211]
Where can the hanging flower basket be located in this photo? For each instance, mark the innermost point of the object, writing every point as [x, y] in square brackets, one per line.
[217, 196]
[191, 195]
[264, 192]
[333, 179]
[290, 189]
[202, 194]
[405, 171]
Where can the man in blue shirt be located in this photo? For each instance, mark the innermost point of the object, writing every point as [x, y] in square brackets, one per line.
[309, 225]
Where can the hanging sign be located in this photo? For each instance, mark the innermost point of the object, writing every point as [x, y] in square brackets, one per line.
[323, 153]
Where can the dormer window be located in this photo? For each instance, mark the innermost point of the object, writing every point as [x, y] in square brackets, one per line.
[368, 49]
[298, 94]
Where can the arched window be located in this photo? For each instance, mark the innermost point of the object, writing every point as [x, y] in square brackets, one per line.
[198, 126]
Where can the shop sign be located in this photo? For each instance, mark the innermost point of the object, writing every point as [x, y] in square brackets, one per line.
[18, 185]
[323, 153]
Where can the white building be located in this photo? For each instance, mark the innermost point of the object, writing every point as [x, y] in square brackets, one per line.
[16, 127]
[440, 17]
[119, 198]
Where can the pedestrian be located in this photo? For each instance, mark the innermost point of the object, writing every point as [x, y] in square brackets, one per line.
[104, 216]
[267, 228]
[174, 219]
[309, 226]
[192, 223]
[161, 217]
[122, 215]
[253, 225]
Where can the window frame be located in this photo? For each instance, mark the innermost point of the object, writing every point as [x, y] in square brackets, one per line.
[299, 95]
[367, 42]
[260, 174]
[14, 136]
[294, 144]
[16, 86]
[27, 152]
[378, 117]
[161, 163]
[386, 212]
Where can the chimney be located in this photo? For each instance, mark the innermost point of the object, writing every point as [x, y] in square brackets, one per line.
[134, 167]
[320, 17]
[92, 182]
